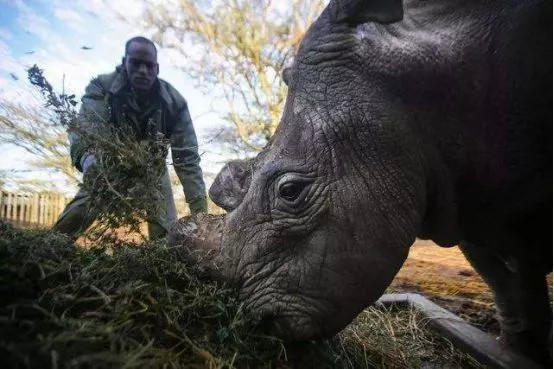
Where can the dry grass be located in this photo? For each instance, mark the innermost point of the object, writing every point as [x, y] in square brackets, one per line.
[152, 306]
[400, 338]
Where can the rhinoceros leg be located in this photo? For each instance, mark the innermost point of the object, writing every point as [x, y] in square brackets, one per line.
[521, 297]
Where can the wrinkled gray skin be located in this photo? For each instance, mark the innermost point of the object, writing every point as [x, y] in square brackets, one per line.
[434, 126]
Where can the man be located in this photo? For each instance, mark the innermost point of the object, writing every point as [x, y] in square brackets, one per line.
[135, 95]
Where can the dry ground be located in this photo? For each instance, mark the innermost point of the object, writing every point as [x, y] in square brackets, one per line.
[445, 276]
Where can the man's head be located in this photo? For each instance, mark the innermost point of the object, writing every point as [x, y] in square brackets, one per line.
[140, 62]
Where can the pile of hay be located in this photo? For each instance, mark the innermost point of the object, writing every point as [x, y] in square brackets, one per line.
[152, 306]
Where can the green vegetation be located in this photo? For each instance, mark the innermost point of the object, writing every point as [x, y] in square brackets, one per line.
[150, 306]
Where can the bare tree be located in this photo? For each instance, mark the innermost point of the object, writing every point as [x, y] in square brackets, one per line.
[36, 130]
[236, 49]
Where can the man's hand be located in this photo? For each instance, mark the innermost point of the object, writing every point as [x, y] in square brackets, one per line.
[87, 161]
[198, 205]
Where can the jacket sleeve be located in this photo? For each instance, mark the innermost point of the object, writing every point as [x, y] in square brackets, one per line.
[94, 108]
[184, 150]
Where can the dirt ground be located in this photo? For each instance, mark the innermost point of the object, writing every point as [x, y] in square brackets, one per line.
[445, 277]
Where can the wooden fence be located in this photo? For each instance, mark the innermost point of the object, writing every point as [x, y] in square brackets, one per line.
[34, 210]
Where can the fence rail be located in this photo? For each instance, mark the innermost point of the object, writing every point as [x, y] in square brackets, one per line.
[39, 210]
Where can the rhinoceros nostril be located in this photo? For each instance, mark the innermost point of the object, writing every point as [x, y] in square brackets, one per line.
[277, 325]
[267, 325]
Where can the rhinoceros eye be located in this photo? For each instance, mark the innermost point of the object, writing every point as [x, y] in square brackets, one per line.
[290, 191]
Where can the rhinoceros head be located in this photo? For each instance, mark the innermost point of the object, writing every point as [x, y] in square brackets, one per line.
[321, 221]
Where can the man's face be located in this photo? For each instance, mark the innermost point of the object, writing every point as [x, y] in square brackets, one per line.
[141, 66]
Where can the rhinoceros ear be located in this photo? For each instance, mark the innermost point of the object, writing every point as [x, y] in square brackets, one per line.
[231, 184]
[363, 11]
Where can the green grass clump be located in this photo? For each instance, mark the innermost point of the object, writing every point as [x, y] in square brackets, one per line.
[154, 306]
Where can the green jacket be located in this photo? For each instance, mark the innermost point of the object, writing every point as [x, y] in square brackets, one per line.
[103, 98]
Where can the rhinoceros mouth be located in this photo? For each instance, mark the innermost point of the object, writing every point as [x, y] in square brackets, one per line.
[292, 326]
[290, 317]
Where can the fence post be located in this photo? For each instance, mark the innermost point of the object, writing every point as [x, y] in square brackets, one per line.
[29, 207]
[46, 209]
[25, 208]
[41, 209]
[54, 208]
[9, 207]
[19, 208]
[61, 205]
[34, 213]
[51, 207]
[16, 208]
[2, 204]
[45, 206]
[25, 203]
[13, 215]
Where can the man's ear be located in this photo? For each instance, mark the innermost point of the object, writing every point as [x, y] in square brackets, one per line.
[157, 69]
[356, 12]
[123, 61]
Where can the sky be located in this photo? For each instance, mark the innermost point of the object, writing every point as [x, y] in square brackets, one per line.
[73, 41]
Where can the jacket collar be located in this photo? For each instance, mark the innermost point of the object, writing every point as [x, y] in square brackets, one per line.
[121, 81]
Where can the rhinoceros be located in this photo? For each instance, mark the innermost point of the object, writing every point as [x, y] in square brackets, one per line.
[429, 119]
